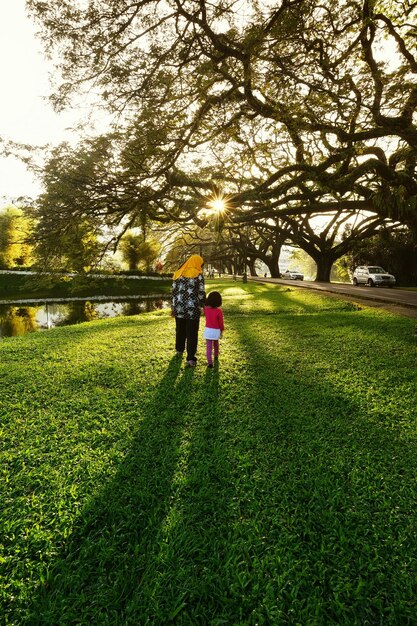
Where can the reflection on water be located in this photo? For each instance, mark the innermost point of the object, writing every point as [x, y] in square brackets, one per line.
[19, 320]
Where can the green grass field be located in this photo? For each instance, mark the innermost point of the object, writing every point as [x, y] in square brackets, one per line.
[278, 488]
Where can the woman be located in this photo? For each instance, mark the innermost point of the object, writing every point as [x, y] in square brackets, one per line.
[188, 296]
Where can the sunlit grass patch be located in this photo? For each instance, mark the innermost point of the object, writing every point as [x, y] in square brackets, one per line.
[268, 299]
[278, 487]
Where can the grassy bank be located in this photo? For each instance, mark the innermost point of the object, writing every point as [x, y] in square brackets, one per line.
[277, 488]
[15, 286]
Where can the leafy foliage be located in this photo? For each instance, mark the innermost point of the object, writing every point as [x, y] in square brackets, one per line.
[394, 251]
[286, 107]
[15, 230]
[139, 252]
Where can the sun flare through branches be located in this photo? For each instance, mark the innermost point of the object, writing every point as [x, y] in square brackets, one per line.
[216, 206]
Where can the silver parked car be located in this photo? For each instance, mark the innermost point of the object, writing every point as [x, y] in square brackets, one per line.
[292, 275]
[373, 276]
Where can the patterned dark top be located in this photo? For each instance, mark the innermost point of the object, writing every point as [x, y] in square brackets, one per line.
[188, 296]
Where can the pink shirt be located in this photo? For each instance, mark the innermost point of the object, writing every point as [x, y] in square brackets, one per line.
[214, 317]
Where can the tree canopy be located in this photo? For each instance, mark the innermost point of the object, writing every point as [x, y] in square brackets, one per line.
[289, 109]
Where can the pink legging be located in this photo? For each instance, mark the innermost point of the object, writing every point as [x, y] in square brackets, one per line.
[210, 345]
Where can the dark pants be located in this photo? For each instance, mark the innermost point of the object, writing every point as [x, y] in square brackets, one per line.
[186, 332]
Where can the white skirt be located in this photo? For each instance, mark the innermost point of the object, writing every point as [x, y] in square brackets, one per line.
[212, 333]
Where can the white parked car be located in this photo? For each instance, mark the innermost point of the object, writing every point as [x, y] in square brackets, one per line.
[292, 275]
[373, 276]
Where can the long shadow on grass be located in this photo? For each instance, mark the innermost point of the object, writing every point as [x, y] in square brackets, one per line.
[329, 507]
[118, 539]
[188, 586]
[205, 551]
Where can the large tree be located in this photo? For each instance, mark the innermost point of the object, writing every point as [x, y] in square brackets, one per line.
[328, 241]
[289, 108]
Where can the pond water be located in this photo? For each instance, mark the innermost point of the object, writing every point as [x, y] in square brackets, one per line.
[27, 316]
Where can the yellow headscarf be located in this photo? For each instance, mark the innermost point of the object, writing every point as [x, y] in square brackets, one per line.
[191, 268]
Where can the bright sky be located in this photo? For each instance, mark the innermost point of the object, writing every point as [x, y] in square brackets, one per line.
[25, 113]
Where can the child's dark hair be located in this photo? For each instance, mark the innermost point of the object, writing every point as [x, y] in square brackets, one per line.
[214, 299]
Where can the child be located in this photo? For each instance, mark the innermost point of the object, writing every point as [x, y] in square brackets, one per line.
[214, 325]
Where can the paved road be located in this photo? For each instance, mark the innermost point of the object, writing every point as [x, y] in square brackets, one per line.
[404, 301]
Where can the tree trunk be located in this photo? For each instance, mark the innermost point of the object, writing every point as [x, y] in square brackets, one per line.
[273, 266]
[252, 270]
[324, 266]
